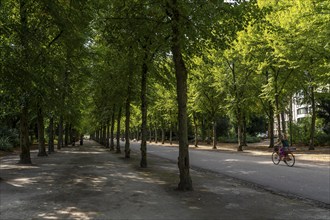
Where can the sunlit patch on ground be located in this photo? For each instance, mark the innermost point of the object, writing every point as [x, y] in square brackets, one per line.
[68, 213]
[21, 182]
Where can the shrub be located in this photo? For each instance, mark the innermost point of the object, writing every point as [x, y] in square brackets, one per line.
[252, 139]
[249, 139]
[322, 139]
[9, 135]
[5, 144]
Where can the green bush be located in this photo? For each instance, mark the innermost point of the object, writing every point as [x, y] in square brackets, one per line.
[249, 139]
[10, 135]
[322, 139]
[301, 133]
[227, 139]
[252, 139]
[5, 144]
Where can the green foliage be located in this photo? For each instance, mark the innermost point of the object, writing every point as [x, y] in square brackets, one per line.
[324, 110]
[322, 139]
[75, 59]
[233, 139]
[5, 144]
[301, 132]
[9, 138]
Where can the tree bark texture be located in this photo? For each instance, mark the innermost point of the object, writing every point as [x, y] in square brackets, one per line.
[283, 122]
[271, 125]
[41, 133]
[25, 157]
[278, 117]
[195, 129]
[239, 129]
[290, 121]
[51, 135]
[215, 141]
[144, 108]
[171, 134]
[107, 145]
[127, 118]
[104, 135]
[244, 142]
[118, 131]
[311, 138]
[181, 74]
[156, 135]
[112, 128]
[163, 135]
[66, 135]
[60, 133]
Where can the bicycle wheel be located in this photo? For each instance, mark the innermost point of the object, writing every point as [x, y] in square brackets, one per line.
[290, 160]
[276, 158]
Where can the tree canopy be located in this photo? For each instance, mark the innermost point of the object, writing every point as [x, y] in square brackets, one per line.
[179, 68]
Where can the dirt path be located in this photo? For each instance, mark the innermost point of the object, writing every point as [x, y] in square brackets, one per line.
[91, 183]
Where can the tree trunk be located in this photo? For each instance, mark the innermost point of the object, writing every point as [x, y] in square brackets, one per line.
[72, 138]
[104, 135]
[283, 122]
[112, 144]
[41, 133]
[271, 126]
[107, 144]
[25, 157]
[150, 134]
[278, 117]
[118, 132]
[290, 121]
[156, 136]
[215, 141]
[51, 135]
[171, 134]
[127, 117]
[239, 129]
[311, 138]
[143, 162]
[244, 142]
[24, 122]
[208, 136]
[60, 134]
[195, 129]
[163, 135]
[101, 135]
[97, 135]
[66, 135]
[203, 133]
[181, 74]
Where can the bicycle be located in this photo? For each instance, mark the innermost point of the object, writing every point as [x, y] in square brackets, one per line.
[288, 157]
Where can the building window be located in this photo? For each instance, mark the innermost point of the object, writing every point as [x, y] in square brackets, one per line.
[302, 111]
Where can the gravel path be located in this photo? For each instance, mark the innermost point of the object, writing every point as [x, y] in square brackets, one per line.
[90, 182]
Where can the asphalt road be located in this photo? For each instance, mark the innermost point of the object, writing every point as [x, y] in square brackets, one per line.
[304, 180]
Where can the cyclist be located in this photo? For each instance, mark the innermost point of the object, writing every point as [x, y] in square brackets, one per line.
[284, 148]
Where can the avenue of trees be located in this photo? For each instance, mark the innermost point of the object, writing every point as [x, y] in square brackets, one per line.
[157, 70]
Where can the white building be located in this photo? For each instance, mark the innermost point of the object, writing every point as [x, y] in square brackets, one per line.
[299, 108]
